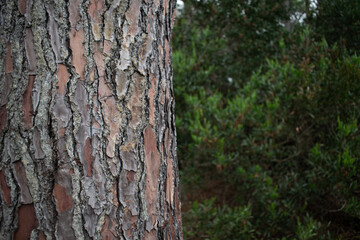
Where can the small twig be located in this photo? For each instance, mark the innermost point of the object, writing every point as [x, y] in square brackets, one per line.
[338, 210]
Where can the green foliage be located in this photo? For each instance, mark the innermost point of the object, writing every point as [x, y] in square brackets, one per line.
[307, 231]
[277, 150]
[338, 20]
[211, 222]
[282, 143]
[225, 39]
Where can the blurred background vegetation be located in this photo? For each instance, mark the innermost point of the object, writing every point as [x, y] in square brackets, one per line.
[268, 113]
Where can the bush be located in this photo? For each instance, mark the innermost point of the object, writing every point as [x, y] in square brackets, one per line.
[286, 144]
[338, 21]
[210, 222]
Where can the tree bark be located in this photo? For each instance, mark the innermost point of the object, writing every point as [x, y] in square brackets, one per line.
[87, 130]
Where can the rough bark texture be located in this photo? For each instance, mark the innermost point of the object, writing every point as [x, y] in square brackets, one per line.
[87, 131]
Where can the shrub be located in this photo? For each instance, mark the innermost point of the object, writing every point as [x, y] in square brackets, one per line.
[286, 143]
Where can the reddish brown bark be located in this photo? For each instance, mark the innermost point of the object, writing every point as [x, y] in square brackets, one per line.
[27, 107]
[62, 198]
[87, 133]
[27, 222]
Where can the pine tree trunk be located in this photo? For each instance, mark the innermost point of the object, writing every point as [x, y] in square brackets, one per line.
[87, 131]
[287, 8]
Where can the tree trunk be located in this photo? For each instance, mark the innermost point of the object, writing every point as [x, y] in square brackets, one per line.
[307, 11]
[287, 23]
[87, 131]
